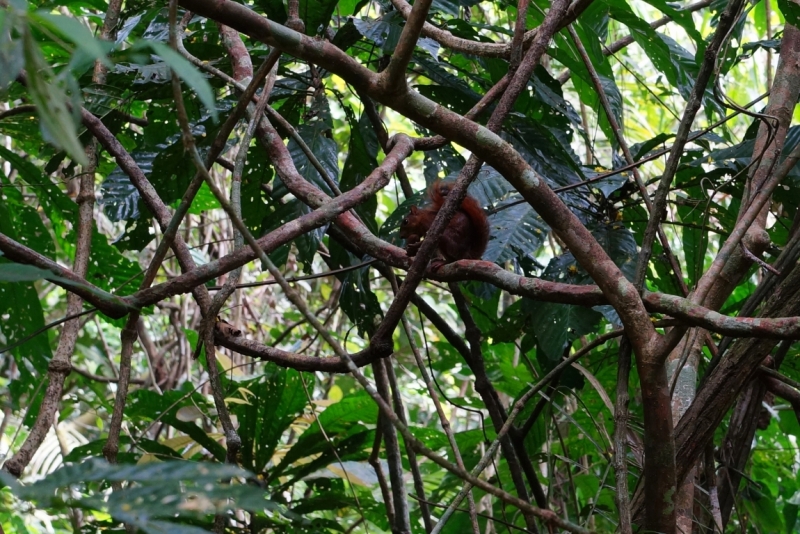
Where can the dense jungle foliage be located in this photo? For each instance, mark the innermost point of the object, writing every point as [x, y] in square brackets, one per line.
[209, 321]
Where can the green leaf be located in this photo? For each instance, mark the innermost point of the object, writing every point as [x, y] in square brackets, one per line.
[384, 32]
[148, 405]
[316, 134]
[358, 300]
[509, 376]
[186, 72]
[316, 14]
[18, 322]
[565, 53]
[515, 232]
[120, 198]
[22, 222]
[110, 270]
[21, 313]
[59, 208]
[12, 57]
[762, 507]
[274, 401]
[683, 18]
[645, 36]
[695, 239]
[57, 123]
[791, 12]
[162, 489]
[75, 32]
[273, 10]
[556, 325]
[790, 516]
[343, 423]
[257, 173]
[361, 160]
[619, 243]
[204, 201]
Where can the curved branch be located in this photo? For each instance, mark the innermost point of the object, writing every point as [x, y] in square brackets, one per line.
[481, 141]
[326, 213]
[681, 308]
[111, 305]
[463, 270]
[474, 48]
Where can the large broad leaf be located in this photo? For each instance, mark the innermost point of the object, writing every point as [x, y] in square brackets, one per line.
[257, 174]
[441, 76]
[278, 213]
[344, 423]
[171, 169]
[761, 506]
[20, 309]
[537, 435]
[684, 19]
[12, 58]
[595, 19]
[790, 11]
[646, 37]
[508, 374]
[695, 238]
[316, 134]
[353, 445]
[517, 231]
[357, 299]
[384, 32]
[557, 325]
[550, 155]
[22, 222]
[95, 449]
[60, 209]
[161, 491]
[75, 32]
[273, 9]
[108, 269]
[565, 53]
[176, 409]
[554, 112]
[442, 162]
[360, 162]
[119, 198]
[154, 473]
[619, 244]
[274, 401]
[137, 235]
[187, 72]
[452, 7]
[688, 68]
[316, 15]
[52, 100]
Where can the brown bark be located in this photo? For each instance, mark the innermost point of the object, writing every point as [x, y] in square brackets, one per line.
[736, 446]
[721, 388]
